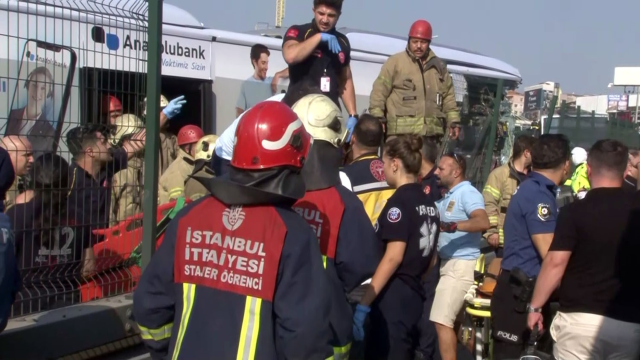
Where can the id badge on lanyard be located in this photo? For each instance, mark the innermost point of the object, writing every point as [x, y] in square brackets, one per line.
[325, 83]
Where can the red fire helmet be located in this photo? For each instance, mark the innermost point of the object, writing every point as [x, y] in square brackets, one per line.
[421, 29]
[111, 103]
[189, 134]
[269, 135]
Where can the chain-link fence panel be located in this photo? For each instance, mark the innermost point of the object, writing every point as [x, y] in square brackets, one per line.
[71, 119]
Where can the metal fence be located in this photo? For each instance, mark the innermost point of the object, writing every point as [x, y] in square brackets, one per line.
[585, 128]
[74, 100]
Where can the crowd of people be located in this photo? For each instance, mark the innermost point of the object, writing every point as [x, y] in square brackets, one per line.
[315, 236]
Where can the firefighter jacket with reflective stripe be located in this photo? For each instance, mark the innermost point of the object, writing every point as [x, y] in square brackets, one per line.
[169, 150]
[239, 282]
[127, 189]
[501, 184]
[366, 174]
[171, 184]
[414, 98]
[350, 248]
[579, 180]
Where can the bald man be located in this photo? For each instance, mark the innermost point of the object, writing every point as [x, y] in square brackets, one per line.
[21, 154]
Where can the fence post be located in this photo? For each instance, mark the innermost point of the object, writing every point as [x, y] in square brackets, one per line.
[550, 113]
[488, 157]
[154, 81]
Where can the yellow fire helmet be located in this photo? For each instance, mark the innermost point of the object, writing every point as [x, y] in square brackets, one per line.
[163, 103]
[126, 124]
[205, 147]
[322, 118]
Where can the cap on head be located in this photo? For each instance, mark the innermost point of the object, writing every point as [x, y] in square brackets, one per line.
[270, 135]
[578, 155]
[421, 29]
[322, 118]
[126, 124]
[110, 103]
[205, 147]
[189, 134]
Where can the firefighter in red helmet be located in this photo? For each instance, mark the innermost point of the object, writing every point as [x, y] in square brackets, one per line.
[239, 274]
[171, 184]
[111, 108]
[414, 92]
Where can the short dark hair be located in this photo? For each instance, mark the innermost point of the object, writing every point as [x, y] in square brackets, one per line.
[256, 51]
[429, 150]
[522, 143]
[406, 148]
[79, 138]
[608, 155]
[335, 4]
[460, 160]
[299, 90]
[551, 151]
[368, 131]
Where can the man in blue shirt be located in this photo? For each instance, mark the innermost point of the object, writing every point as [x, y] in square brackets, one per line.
[259, 87]
[528, 232]
[463, 219]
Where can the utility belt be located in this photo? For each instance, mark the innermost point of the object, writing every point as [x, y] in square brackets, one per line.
[522, 286]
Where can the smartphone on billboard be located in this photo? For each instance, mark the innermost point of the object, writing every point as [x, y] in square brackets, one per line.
[40, 98]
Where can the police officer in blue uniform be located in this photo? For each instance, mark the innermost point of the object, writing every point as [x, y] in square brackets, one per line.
[347, 240]
[528, 232]
[239, 274]
[408, 227]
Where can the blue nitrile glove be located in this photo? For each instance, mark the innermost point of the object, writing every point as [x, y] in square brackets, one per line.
[332, 41]
[174, 106]
[358, 321]
[351, 124]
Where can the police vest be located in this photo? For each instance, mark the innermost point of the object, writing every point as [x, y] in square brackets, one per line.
[322, 210]
[233, 249]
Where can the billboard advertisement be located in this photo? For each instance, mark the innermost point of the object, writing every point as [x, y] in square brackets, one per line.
[533, 99]
[617, 103]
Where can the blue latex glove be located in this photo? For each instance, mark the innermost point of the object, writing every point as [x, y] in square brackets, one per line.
[358, 321]
[174, 106]
[351, 124]
[332, 41]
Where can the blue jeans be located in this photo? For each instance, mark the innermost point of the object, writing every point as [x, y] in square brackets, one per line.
[219, 165]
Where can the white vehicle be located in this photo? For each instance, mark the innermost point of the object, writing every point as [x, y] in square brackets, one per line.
[91, 51]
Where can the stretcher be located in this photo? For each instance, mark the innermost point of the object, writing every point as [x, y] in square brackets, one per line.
[117, 267]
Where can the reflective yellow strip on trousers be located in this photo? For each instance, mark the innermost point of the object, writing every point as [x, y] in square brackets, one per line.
[159, 334]
[341, 353]
[188, 296]
[250, 329]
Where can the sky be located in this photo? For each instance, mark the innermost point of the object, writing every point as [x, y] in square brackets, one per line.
[577, 43]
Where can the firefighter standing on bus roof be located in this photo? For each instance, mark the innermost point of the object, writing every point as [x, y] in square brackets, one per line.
[239, 274]
[171, 184]
[127, 185]
[168, 141]
[193, 189]
[414, 92]
[348, 242]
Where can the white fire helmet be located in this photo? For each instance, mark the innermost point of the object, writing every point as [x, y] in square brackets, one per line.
[205, 147]
[578, 155]
[163, 103]
[126, 124]
[322, 118]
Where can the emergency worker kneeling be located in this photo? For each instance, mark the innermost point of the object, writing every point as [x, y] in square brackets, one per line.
[239, 274]
[348, 243]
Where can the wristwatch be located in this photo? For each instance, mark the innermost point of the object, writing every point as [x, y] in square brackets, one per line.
[354, 115]
[533, 310]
